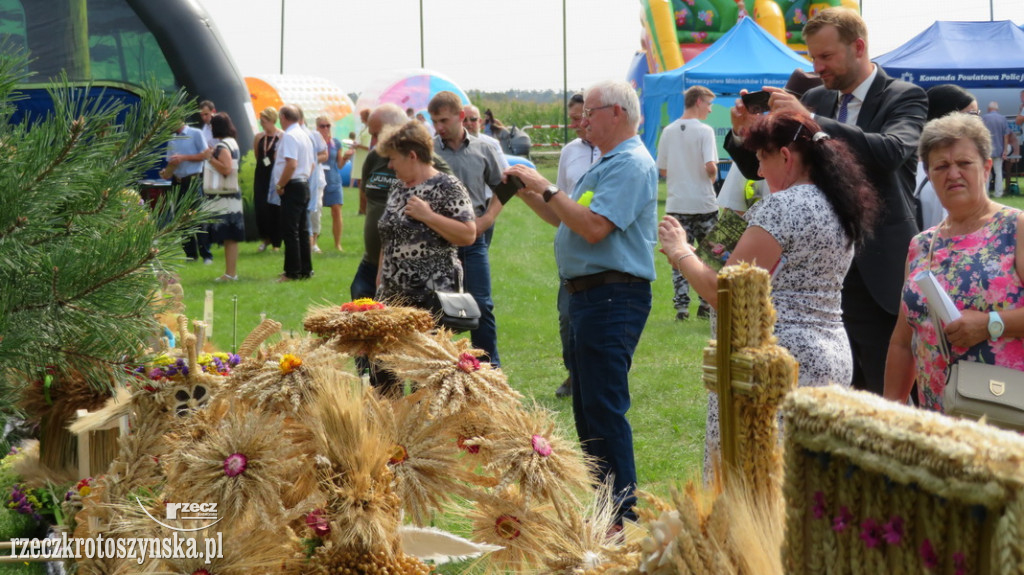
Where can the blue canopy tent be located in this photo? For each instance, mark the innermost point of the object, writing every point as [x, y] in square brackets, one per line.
[746, 57]
[968, 54]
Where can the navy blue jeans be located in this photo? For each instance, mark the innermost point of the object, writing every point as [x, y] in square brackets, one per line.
[476, 266]
[364, 283]
[606, 323]
[563, 321]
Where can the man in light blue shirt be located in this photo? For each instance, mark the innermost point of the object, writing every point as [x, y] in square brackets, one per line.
[186, 153]
[604, 248]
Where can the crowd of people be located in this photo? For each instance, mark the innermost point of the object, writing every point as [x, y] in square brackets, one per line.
[837, 221]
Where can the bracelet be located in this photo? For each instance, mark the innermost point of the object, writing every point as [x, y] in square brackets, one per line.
[681, 258]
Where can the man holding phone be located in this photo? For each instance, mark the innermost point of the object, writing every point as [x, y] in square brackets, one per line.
[880, 118]
[604, 249]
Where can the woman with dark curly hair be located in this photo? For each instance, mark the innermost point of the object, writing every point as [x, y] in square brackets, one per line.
[821, 205]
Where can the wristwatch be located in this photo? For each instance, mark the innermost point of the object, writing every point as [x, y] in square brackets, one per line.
[549, 192]
[995, 325]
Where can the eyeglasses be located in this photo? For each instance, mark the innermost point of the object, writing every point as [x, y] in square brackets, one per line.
[974, 112]
[588, 112]
[323, 125]
[471, 120]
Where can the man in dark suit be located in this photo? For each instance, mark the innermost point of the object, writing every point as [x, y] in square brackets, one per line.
[880, 118]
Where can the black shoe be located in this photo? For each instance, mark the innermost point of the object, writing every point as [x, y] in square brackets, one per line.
[564, 390]
[704, 313]
[682, 315]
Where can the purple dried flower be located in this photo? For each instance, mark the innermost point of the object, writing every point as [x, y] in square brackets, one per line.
[959, 563]
[892, 531]
[843, 520]
[871, 533]
[820, 508]
[928, 554]
[233, 359]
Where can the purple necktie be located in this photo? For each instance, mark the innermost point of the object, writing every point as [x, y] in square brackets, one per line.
[843, 101]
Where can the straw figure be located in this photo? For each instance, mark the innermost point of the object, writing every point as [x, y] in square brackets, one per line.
[751, 375]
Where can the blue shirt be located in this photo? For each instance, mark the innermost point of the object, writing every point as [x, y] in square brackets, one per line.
[187, 142]
[623, 187]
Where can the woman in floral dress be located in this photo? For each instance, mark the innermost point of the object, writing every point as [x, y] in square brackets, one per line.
[975, 254]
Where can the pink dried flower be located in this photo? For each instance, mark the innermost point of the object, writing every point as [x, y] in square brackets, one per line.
[820, 507]
[871, 533]
[541, 445]
[318, 523]
[959, 563]
[468, 363]
[893, 530]
[235, 464]
[843, 520]
[928, 554]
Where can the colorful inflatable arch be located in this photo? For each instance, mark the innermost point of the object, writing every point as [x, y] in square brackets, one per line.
[675, 31]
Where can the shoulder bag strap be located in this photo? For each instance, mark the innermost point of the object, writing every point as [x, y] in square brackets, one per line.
[944, 347]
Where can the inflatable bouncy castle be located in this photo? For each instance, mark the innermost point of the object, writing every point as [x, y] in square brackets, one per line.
[676, 31]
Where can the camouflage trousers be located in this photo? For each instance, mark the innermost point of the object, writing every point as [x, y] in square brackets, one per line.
[697, 226]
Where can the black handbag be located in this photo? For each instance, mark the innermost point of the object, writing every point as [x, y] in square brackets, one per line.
[457, 311]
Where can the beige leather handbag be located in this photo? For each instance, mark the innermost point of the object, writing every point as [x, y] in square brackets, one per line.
[978, 389]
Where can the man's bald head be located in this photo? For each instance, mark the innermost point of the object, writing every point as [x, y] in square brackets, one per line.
[385, 116]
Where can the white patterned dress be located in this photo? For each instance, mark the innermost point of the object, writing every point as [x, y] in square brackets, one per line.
[806, 286]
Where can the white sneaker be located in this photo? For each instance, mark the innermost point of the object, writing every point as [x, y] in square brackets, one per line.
[208, 261]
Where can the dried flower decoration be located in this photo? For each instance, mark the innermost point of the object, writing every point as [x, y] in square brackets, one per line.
[235, 464]
[871, 533]
[290, 363]
[362, 304]
[843, 520]
[541, 446]
[928, 554]
[507, 527]
[317, 521]
[469, 363]
[820, 509]
[893, 530]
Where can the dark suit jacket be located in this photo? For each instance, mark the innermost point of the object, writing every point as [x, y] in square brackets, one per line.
[885, 141]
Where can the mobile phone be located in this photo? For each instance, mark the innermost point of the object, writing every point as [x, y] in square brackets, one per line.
[756, 102]
[508, 189]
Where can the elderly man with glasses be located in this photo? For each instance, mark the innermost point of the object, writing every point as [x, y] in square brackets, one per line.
[604, 248]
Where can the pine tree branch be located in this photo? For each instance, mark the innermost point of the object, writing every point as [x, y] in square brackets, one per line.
[77, 127]
[144, 142]
[79, 354]
[19, 222]
[65, 302]
[150, 256]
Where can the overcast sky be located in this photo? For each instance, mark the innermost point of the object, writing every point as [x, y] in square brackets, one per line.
[494, 44]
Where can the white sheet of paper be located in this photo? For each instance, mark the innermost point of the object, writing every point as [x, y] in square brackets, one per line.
[936, 297]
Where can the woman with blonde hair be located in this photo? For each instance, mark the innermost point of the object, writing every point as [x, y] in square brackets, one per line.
[264, 146]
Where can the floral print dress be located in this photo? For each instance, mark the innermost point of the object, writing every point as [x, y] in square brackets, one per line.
[978, 272]
[806, 292]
